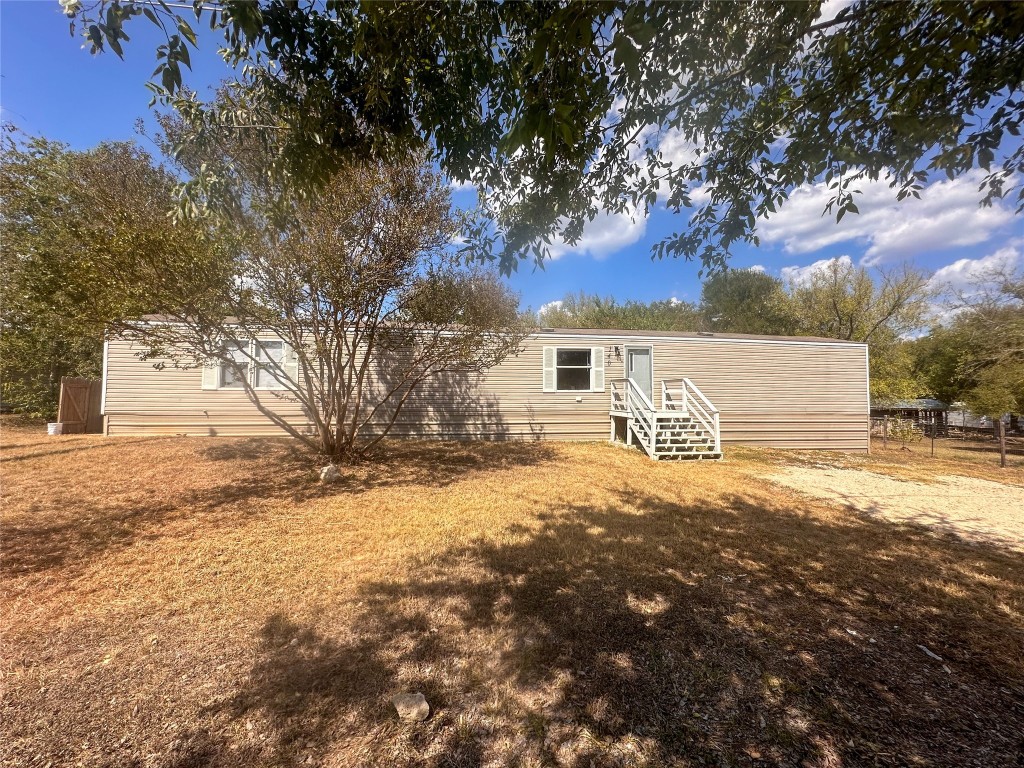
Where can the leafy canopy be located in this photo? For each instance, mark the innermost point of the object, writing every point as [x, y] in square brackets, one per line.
[558, 110]
[86, 243]
[746, 301]
[978, 356]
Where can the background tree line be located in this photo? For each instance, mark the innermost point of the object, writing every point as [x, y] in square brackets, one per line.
[975, 355]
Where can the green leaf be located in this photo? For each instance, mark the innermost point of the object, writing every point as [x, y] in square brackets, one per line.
[186, 31]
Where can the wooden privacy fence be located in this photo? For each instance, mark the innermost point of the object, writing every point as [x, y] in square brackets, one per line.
[80, 403]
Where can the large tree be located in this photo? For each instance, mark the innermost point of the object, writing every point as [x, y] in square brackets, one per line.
[978, 354]
[746, 301]
[559, 110]
[73, 223]
[345, 306]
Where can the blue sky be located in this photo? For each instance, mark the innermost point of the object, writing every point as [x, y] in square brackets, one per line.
[51, 86]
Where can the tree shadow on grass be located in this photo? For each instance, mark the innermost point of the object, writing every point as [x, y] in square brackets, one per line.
[432, 463]
[260, 474]
[308, 690]
[651, 633]
[742, 629]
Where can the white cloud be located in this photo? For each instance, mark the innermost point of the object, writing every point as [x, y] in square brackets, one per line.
[831, 8]
[946, 216]
[964, 275]
[557, 304]
[802, 275]
[604, 235]
[757, 268]
[676, 149]
[700, 195]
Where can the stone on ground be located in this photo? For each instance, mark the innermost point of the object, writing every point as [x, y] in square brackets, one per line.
[330, 474]
[412, 707]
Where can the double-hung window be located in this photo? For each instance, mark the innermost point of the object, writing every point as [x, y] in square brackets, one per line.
[261, 364]
[269, 365]
[234, 374]
[573, 369]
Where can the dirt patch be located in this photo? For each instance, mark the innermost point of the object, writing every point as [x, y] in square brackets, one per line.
[975, 509]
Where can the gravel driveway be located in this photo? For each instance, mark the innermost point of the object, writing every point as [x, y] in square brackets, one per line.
[974, 509]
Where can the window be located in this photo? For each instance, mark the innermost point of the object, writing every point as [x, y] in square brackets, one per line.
[573, 369]
[269, 361]
[235, 376]
[263, 364]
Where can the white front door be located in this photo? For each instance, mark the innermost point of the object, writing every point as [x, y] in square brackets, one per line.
[640, 370]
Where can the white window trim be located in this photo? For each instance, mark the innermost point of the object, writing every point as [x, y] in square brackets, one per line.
[216, 370]
[596, 368]
[254, 365]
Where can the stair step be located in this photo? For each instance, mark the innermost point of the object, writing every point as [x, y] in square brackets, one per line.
[709, 456]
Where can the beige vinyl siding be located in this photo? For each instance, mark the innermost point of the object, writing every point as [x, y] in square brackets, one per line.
[141, 398]
[794, 394]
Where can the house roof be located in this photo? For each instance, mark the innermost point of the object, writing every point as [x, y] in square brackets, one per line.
[606, 332]
[685, 335]
[920, 404]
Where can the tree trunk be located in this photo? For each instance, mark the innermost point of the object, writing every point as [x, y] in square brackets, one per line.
[1001, 435]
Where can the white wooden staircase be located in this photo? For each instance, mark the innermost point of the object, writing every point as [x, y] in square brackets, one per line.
[684, 428]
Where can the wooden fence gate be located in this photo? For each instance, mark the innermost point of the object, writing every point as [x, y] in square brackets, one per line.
[79, 406]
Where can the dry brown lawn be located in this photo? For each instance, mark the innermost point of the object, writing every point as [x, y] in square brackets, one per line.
[183, 602]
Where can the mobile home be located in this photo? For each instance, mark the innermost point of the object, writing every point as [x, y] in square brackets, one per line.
[671, 394]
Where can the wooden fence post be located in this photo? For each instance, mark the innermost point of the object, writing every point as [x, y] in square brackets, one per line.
[1001, 434]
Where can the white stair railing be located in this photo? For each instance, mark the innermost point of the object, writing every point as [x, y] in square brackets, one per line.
[617, 387]
[680, 398]
[642, 411]
[701, 409]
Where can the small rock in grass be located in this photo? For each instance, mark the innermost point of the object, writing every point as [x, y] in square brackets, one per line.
[330, 474]
[412, 707]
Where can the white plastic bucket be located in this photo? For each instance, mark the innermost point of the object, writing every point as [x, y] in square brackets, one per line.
[55, 428]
